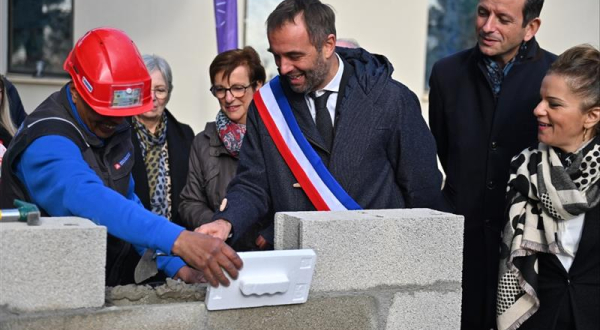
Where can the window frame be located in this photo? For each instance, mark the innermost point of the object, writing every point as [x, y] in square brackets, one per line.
[9, 39]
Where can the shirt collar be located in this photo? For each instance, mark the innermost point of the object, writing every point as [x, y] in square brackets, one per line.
[334, 84]
[520, 54]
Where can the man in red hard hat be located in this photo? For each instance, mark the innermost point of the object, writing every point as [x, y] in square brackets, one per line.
[73, 157]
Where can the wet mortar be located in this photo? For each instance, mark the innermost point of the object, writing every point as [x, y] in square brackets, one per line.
[173, 291]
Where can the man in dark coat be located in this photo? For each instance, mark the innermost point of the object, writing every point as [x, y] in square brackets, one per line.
[380, 152]
[481, 114]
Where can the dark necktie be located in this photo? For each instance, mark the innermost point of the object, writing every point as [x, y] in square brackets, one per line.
[323, 119]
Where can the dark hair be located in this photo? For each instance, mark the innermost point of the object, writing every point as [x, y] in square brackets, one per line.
[319, 19]
[231, 59]
[531, 10]
[580, 67]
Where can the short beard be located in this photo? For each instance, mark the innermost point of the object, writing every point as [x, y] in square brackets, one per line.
[313, 77]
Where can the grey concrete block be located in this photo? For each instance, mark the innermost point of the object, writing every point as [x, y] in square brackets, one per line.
[359, 250]
[184, 316]
[425, 311]
[287, 232]
[57, 265]
[323, 313]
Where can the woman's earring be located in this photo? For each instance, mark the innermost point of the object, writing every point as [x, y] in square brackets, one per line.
[584, 133]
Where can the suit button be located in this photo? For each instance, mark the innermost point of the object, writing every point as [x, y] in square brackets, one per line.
[494, 145]
[491, 184]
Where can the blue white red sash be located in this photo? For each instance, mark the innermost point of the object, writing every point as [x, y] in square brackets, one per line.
[320, 186]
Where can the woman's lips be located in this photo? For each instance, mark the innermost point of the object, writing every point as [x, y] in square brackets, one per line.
[232, 108]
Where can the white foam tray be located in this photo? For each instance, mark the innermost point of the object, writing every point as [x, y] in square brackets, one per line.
[268, 278]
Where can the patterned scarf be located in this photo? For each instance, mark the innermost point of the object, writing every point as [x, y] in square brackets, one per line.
[496, 74]
[542, 195]
[230, 133]
[156, 158]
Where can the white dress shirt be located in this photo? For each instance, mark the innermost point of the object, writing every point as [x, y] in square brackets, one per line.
[569, 235]
[334, 87]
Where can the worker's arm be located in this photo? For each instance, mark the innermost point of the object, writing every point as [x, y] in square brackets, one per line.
[59, 181]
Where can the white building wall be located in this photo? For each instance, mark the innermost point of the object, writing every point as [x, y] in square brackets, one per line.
[569, 23]
[183, 32]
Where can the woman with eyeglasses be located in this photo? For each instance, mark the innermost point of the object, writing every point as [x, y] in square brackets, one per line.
[235, 76]
[162, 147]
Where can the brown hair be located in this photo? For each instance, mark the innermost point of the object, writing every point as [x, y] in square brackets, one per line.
[231, 59]
[580, 67]
[319, 19]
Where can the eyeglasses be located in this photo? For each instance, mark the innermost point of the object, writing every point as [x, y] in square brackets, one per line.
[235, 90]
[160, 93]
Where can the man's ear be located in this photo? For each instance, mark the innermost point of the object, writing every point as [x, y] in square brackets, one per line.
[329, 46]
[74, 94]
[532, 28]
[592, 118]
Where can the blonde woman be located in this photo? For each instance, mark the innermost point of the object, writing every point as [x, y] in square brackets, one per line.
[550, 251]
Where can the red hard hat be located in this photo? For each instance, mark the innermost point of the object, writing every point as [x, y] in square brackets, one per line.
[109, 73]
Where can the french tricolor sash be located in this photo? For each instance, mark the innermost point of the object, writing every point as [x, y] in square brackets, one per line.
[320, 186]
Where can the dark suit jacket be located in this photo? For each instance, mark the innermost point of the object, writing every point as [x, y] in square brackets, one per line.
[477, 135]
[179, 139]
[383, 155]
[571, 298]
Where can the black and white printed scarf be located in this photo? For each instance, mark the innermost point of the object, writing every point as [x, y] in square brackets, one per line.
[542, 195]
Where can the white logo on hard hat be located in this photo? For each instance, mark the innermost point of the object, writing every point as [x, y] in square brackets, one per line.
[87, 84]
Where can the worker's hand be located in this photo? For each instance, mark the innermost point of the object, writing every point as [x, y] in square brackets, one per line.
[218, 228]
[189, 275]
[208, 255]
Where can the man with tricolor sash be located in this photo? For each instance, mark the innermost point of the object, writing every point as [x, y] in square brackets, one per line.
[333, 131]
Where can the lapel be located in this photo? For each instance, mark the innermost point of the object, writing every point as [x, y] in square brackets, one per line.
[177, 159]
[356, 123]
[483, 90]
[305, 122]
[348, 72]
[516, 84]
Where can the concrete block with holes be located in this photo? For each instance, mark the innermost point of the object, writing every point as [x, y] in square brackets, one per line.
[56, 265]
